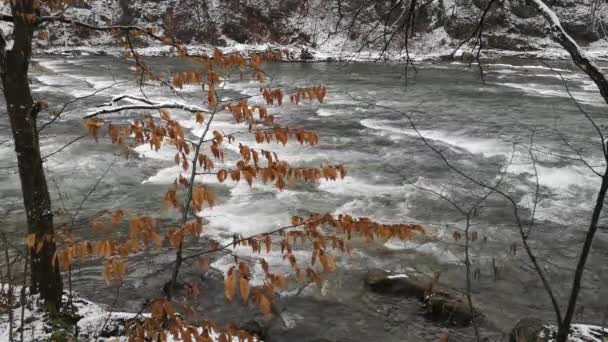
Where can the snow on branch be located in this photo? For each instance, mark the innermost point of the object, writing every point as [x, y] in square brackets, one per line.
[578, 56]
[129, 97]
[144, 104]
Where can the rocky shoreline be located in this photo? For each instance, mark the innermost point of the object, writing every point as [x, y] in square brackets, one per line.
[308, 55]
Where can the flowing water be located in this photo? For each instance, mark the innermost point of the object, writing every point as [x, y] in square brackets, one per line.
[489, 130]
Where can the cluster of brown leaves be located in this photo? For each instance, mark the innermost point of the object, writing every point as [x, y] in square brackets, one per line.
[238, 276]
[147, 131]
[313, 93]
[143, 231]
[176, 236]
[280, 172]
[282, 135]
[201, 195]
[235, 60]
[256, 60]
[223, 62]
[165, 320]
[108, 249]
[37, 243]
[241, 111]
[93, 126]
[326, 234]
[272, 96]
[369, 229]
[114, 269]
[187, 77]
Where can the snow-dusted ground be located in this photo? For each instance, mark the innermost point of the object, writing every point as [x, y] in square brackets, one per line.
[429, 46]
[580, 333]
[323, 45]
[95, 323]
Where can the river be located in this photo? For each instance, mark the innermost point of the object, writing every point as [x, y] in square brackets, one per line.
[487, 129]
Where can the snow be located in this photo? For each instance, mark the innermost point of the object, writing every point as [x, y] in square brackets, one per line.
[94, 319]
[430, 46]
[329, 37]
[578, 333]
[160, 105]
[397, 276]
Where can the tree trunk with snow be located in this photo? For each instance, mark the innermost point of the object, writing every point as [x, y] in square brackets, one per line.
[23, 111]
[601, 80]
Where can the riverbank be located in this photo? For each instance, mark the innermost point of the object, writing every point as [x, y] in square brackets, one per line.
[298, 53]
[83, 320]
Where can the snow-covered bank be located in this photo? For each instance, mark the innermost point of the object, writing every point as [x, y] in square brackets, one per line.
[336, 53]
[578, 333]
[329, 31]
[88, 322]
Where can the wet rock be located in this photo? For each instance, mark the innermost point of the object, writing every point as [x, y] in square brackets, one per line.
[450, 309]
[526, 330]
[257, 328]
[396, 284]
[442, 305]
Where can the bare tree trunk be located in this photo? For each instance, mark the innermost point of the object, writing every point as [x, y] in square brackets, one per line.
[564, 328]
[599, 78]
[22, 111]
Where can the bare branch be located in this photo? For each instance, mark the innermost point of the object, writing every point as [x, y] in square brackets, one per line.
[57, 114]
[537, 185]
[91, 191]
[476, 34]
[237, 241]
[583, 111]
[154, 106]
[63, 147]
[578, 56]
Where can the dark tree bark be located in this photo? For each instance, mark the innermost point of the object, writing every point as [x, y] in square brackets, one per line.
[601, 80]
[22, 111]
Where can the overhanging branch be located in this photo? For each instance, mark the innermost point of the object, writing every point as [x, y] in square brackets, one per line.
[578, 56]
[151, 106]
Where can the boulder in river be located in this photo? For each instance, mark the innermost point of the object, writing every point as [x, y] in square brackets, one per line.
[450, 308]
[527, 330]
[442, 303]
[396, 284]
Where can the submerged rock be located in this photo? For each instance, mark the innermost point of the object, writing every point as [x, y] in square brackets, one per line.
[442, 304]
[451, 309]
[527, 330]
[396, 284]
